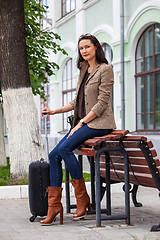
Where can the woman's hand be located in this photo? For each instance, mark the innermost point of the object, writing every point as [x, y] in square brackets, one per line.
[63, 109]
[78, 126]
[46, 110]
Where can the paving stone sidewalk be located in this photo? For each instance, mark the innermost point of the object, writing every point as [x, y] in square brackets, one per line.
[15, 224]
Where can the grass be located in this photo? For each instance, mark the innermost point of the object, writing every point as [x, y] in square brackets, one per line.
[6, 180]
[85, 175]
[5, 177]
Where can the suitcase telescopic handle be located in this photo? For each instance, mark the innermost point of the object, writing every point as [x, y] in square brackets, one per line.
[46, 137]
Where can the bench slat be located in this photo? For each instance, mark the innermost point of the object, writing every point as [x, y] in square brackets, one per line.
[116, 134]
[132, 153]
[135, 138]
[127, 144]
[123, 132]
[97, 140]
[134, 168]
[133, 161]
[85, 151]
[145, 180]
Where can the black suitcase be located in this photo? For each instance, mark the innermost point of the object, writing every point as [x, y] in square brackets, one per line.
[38, 181]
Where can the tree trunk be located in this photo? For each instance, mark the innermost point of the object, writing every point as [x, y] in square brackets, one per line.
[21, 114]
[3, 161]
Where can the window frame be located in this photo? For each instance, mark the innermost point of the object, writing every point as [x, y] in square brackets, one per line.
[66, 91]
[45, 104]
[144, 75]
[104, 46]
[63, 6]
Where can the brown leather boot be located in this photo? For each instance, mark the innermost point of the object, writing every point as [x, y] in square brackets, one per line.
[83, 200]
[54, 205]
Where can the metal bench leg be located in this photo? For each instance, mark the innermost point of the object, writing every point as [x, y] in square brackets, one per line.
[98, 192]
[156, 228]
[68, 204]
[127, 197]
[80, 160]
[134, 196]
[67, 190]
[108, 185]
[92, 171]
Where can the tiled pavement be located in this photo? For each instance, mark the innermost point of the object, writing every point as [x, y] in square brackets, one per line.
[15, 214]
[15, 224]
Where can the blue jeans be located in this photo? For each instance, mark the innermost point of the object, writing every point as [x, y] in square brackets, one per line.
[64, 149]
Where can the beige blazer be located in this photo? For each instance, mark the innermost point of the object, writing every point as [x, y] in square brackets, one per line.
[97, 94]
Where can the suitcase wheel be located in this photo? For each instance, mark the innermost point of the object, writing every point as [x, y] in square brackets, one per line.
[32, 218]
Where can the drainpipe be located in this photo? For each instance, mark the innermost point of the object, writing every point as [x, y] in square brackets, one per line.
[122, 64]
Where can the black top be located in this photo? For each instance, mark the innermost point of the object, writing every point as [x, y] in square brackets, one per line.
[81, 98]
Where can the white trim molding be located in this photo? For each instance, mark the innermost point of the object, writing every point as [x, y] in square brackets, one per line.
[103, 28]
[68, 45]
[65, 18]
[143, 8]
[89, 3]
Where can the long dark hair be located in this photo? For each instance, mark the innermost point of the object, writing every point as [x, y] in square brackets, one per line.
[100, 55]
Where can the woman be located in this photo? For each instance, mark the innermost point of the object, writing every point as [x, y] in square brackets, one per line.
[93, 117]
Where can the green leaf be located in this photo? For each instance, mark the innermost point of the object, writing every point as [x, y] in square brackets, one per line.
[39, 42]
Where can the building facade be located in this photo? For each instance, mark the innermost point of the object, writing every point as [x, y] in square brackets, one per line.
[72, 18]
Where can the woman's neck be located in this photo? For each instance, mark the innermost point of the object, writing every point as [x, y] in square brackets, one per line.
[91, 65]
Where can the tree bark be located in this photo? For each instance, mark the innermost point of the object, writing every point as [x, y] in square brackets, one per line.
[21, 114]
[3, 161]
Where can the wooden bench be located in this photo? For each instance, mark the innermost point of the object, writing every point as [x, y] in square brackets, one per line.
[118, 157]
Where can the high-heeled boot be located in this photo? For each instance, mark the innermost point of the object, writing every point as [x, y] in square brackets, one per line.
[83, 200]
[54, 205]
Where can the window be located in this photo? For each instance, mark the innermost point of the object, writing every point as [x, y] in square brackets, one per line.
[67, 6]
[69, 83]
[148, 80]
[45, 104]
[45, 22]
[108, 53]
[109, 56]
[46, 3]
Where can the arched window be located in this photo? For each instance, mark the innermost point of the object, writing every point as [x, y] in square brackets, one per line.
[108, 52]
[69, 82]
[109, 56]
[148, 80]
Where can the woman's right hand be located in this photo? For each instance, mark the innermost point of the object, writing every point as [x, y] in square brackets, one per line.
[63, 109]
[46, 110]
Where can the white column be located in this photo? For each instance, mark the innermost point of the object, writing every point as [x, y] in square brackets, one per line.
[116, 20]
[117, 94]
[80, 19]
[55, 11]
[54, 14]
[116, 63]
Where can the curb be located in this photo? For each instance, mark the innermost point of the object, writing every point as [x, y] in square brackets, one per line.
[21, 191]
[16, 191]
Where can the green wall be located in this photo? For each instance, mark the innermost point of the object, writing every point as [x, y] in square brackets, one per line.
[149, 16]
[104, 15]
[132, 6]
[104, 37]
[67, 31]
